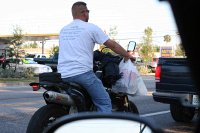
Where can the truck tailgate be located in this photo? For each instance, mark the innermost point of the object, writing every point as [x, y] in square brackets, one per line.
[175, 76]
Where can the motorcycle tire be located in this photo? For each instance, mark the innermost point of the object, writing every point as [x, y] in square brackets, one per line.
[44, 116]
[131, 108]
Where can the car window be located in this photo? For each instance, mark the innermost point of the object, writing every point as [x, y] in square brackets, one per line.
[30, 56]
[148, 22]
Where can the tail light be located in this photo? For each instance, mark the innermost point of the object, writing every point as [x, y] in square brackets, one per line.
[158, 73]
[35, 86]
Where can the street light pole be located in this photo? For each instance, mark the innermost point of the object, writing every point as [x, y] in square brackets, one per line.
[43, 46]
[43, 42]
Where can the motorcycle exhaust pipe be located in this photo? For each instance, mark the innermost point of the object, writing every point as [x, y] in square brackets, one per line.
[59, 98]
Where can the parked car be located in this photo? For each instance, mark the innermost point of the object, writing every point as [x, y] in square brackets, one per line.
[153, 64]
[29, 63]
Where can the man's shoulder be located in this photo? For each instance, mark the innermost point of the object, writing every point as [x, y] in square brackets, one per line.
[93, 25]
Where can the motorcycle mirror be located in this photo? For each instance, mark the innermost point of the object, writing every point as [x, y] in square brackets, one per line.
[131, 46]
[101, 123]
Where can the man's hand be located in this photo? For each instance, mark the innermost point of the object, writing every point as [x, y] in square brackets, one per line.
[114, 46]
[129, 56]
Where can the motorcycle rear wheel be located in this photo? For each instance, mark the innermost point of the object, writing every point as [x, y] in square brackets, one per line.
[132, 108]
[44, 116]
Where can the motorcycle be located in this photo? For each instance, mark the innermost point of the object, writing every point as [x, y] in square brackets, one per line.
[64, 98]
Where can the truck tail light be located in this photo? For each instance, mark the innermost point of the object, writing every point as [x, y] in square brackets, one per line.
[158, 73]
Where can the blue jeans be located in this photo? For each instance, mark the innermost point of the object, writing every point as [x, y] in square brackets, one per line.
[95, 88]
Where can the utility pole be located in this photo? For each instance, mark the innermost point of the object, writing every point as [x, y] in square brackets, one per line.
[43, 42]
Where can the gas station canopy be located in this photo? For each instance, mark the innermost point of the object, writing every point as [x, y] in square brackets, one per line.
[4, 39]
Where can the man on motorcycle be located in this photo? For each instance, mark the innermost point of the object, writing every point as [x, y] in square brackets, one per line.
[75, 61]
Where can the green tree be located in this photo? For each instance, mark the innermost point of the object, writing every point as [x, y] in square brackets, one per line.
[30, 45]
[33, 45]
[54, 50]
[146, 50]
[14, 48]
[167, 38]
[148, 36]
[179, 51]
[156, 48]
[112, 34]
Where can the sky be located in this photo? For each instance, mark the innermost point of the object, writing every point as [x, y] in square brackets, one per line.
[131, 17]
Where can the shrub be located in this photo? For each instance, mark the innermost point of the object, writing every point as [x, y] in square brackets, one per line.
[143, 69]
[27, 73]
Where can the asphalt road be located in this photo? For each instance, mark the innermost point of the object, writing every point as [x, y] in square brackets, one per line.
[18, 104]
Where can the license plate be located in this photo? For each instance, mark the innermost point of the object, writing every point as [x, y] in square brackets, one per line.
[195, 100]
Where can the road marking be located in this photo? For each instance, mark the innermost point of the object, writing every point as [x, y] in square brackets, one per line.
[156, 113]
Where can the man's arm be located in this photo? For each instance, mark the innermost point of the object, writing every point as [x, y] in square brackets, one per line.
[114, 46]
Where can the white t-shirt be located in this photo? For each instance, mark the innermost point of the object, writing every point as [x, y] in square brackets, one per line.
[76, 44]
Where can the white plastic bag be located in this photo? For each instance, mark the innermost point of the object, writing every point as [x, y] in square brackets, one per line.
[140, 86]
[126, 84]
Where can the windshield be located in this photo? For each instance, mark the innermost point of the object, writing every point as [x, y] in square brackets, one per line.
[30, 27]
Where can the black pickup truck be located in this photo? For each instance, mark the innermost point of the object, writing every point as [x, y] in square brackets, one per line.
[174, 86]
[52, 61]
